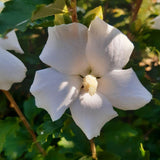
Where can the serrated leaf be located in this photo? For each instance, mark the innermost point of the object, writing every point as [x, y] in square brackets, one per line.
[17, 14]
[48, 10]
[90, 15]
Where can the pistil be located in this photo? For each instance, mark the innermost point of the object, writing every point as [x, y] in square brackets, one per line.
[90, 84]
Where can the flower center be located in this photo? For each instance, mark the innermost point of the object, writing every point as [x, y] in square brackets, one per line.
[90, 84]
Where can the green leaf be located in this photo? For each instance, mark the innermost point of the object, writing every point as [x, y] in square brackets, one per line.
[16, 145]
[141, 17]
[65, 143]
[96, 12]
[145, 8]
[85, 158]
[62, 19]
[59, 19]
[120, 138]
[74, 134]
[145, 154]
[30, 110]
[54, 154]
[17, 14]
[48, 10]
[90, 15]
[49, 128]
[108, 155]
[152, 38]
[8, 126]
[39, 157]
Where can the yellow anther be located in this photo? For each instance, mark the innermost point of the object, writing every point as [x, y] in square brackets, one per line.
[90, 84]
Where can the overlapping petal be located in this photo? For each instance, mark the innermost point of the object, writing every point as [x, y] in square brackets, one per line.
[91, 113]
[11, 42]
[72, 50]
[65, 48]
[11, 69]
[124, 90]
[107, 47]
[54, 91]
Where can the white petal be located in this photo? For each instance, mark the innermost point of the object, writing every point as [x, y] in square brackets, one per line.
[156, 23]
[11, 70]
[124, 90]
[65, 48]
[107, 47]
[54, 91]
[11, 42]
[91, 113]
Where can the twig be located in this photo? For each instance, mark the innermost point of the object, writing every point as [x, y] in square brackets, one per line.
[135, 9]
[74, 10]
[14, 105]
[93, 149]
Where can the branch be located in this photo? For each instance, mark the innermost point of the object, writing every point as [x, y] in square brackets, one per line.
[135, 10]
[74, 10]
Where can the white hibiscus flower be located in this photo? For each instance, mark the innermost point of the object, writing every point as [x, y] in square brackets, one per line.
[86, 75]
[11, 68]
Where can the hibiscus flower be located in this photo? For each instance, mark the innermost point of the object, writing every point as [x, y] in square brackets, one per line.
[86, 75]
[11, 68]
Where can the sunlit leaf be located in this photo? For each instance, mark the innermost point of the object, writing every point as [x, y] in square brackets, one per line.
[48, 10]
[90, 15]
[145, 154]
[62, 19]
[141, 17]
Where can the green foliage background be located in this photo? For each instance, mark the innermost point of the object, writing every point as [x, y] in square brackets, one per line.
[133, 135]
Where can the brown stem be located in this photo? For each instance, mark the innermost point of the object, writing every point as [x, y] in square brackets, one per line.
[135, 10]
[93, 149]
[74, 10]
[14, 105]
